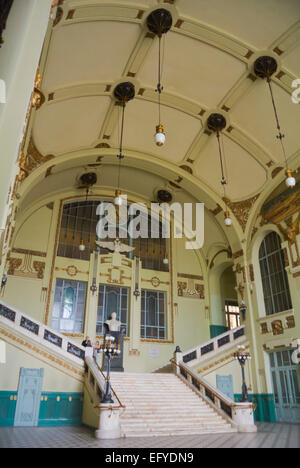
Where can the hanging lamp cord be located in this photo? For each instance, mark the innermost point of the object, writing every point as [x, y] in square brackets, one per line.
[223, 181]
[159, 88]
[280, 135]
[120, 155]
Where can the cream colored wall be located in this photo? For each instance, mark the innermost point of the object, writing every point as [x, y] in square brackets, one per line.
[54, 380]
[26, 295]
[233, 368]
[33, 234]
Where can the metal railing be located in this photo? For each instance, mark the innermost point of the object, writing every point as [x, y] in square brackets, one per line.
[96, 381]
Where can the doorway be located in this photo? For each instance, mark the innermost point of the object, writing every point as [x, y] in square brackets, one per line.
[286, 386]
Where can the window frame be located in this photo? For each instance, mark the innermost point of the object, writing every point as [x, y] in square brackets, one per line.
[66, 280]
[105, 286]
[143, 336]
[264, 257]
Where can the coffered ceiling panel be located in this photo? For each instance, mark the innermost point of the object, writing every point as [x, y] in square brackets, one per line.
[141, 120]
[239, 166]
[69, 125]
[89, 51]
[193, 69]
[254, 113]
[292, 60]
[256, 22]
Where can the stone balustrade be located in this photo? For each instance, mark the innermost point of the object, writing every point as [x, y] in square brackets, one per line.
[213, 346]
[41, 334]
[240, 415]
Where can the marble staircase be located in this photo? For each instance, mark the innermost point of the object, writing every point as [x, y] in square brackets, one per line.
[163, 405]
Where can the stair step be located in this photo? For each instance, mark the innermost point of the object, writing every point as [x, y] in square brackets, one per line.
[176, 433]
[163, 405]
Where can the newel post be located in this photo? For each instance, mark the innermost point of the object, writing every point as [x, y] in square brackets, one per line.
[244, 418]
[177, 358]
[109, 424]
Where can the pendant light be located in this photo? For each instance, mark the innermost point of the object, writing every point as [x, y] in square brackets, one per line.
[217, 123]
[265, 67]
[159, 22]
[165, 259]
[123, 93]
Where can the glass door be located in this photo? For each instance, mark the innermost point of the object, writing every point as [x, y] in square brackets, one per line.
[286, 386]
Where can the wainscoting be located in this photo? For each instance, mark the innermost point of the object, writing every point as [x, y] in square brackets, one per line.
[61, 409]
[265, 411]
[56, 409]
[8, 403]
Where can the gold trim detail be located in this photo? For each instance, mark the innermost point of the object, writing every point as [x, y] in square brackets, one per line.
[32, 160]
[241, 210]
[72, 271]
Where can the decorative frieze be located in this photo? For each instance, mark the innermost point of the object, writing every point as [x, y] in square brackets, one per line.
[191, 288]
[72, 271]
[277, 324]
[26, 267]
[155, 281]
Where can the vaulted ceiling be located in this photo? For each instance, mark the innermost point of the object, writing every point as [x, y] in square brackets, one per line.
[92, 45]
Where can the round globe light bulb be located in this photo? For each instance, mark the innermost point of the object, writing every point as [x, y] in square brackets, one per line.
[166, 261]
[118, 199]
[160, 137]
[82, 246]
[290, 180]
[228, 220]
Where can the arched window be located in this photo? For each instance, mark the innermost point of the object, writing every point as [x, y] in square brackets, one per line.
[274, 278]
[79, 221]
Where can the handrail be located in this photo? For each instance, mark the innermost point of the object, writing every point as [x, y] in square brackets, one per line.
[118, 400]
[214, 344]
[94, 368]
[210, 393]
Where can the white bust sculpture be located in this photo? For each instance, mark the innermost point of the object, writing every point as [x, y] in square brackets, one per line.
[113, 323]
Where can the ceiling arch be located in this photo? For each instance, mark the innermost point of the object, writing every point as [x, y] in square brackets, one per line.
[92, 45]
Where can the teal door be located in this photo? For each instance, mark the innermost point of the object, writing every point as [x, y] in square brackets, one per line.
[225, 385]
[286, 386]
[29, 397]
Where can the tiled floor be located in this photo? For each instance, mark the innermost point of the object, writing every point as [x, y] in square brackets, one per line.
[268, 436]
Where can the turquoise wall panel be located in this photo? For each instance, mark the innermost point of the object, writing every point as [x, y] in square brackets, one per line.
[56, 409]
[216, 330]
[8, 402]
[265, 411]
[61, 409]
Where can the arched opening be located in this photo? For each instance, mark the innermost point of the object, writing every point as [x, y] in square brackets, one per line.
[224, 300]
